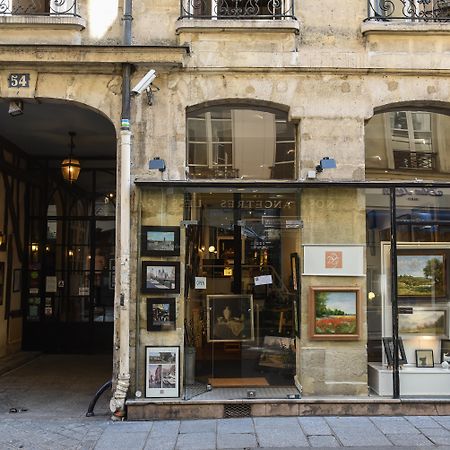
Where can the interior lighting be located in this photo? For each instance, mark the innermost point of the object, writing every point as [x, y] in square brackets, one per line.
[211, 249]
[71, 167]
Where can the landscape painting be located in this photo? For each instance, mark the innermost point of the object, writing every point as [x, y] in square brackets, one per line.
[334, 313]
[423, 322]
[421, 275]
[160, 241]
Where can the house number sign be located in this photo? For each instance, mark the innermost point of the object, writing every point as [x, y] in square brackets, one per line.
[19, 80]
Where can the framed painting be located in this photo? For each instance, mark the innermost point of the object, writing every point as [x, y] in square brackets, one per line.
[445, 350]
[160, 241]
[421, 275]
[230, 318]
[161, 314]
[388, 344]
[162, 372]
[423, 322]
[160, 277]
[334, 313]
[424, 358]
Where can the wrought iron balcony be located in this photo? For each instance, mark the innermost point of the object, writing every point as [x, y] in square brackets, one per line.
[39, 7]
[237, 9]
[414, 160]
[409, 10]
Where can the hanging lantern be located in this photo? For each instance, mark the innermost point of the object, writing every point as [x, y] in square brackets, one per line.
[71, 167]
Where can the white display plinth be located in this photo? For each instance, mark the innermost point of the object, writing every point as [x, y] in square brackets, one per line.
[413, 380]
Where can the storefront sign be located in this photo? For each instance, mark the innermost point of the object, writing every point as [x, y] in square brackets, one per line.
[412, 192]
[328, 260]
[257, 204]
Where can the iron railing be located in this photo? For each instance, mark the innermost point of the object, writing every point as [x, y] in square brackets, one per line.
[409, 10]
[414, 160]
[39, 7]
[237, 9]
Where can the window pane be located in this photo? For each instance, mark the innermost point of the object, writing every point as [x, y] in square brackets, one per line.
[223, 154]
[285, 151]
[196, 129]
[198, 154]
[221, 130]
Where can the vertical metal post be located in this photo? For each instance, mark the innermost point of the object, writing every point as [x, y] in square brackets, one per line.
[237, 241]
[393, 208]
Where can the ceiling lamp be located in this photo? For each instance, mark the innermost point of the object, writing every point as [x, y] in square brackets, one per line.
[70, 167]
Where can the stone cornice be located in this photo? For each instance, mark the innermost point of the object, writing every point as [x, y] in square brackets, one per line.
[85, 55]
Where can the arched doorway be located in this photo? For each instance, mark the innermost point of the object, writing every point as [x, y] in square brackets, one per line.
[60, 236]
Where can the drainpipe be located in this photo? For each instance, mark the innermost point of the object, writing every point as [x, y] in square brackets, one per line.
[122, 324]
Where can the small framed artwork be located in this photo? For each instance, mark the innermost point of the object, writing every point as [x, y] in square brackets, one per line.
[162, 374]
[295, 271]
[334, 313]
[421, 275]
[424, 322]
[230, 318]
[160, 277]
[388, 344]
[160, 241]
[161, 314]
[424, 358]
[445, 350]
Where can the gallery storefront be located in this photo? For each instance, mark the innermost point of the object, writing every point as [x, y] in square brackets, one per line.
[293, 290]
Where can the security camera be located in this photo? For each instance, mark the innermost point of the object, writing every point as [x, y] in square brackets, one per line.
[145, 83]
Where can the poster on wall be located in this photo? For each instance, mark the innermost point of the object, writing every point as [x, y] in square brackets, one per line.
[162, 372]
[333, 260]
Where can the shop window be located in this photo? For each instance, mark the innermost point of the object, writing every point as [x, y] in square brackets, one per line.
[407, 142]
[239, 142]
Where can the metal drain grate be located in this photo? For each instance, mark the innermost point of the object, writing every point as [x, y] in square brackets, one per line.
[237, 410]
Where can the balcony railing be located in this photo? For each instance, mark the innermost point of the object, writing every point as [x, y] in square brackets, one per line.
[409, 10]
[237, 9]
[414, 160]
[39, 7]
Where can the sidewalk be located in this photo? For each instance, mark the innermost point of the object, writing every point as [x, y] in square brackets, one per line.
[18, 431]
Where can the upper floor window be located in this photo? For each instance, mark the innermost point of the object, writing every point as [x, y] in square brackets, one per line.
[410, 10]
[240, 142]
[39, 7]
[408, 142]
[237, 9]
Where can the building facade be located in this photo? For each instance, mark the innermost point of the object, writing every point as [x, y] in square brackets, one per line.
[268, 217]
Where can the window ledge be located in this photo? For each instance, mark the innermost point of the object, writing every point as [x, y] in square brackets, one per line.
[391, 26]
[213, 25]
[55, 21]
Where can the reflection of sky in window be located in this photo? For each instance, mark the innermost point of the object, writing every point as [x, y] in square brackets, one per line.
[160, 236]
[414, 264]
[345, 301]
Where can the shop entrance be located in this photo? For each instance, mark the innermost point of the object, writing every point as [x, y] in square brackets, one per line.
[242, 287]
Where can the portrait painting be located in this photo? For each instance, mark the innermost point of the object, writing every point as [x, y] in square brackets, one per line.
[230, 318]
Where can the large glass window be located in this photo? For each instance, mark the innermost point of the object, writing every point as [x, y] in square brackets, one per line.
[411, 144]
[241, 142]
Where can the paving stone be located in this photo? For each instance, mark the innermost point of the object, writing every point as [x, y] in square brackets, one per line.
[314, 426]
[281, 437]
[275, 422]
[130, 427]
[423, 422]
[198, 426]
[409, 440]
[236, 440]
[227, 426]
[443, 421]
[394, 425]
[161, 442]
[323, 441]
[196, 441]
[357, 431]
[165, 428]
[441, 432]
[110, 441]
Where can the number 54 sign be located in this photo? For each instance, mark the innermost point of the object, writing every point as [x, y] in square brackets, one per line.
[19, 80]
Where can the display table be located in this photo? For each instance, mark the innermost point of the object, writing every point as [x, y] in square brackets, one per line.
[413, 380]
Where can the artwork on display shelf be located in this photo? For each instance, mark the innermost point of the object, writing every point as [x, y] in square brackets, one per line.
[423, 322]
[445, 350]
[162, 374]
[424, 358]
[230, 318]
[160, 241]
[421, 275]
[388, 344]
[334, 313]
[161, 314]
[160, 277]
